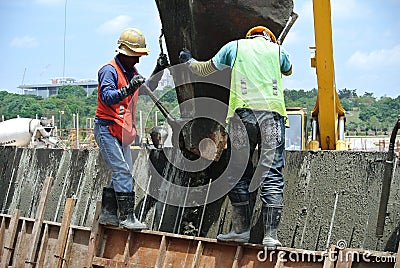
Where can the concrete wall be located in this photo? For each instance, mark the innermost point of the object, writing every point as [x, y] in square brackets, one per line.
[312, 180]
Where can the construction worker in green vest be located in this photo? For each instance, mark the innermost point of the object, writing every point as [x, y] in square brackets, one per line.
[256, 118]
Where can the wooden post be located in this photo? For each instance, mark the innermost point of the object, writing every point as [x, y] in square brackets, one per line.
[63, 234]
[37, 226]
[68, 247]
[279, 261]
[345, 258]
[162, 252]
[127, 248]
[197, 255]
[20, 247]
[96, 235]
[43, 246]
[238, 257]
[329, 261]
[9, 243]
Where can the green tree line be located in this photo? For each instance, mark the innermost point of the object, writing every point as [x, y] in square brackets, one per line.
[365, 114]
[70, 100]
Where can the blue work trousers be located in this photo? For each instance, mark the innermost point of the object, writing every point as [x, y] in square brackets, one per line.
[117, 157]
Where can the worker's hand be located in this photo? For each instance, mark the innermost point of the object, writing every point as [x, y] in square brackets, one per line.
[137, 81]
[185, 56]
[133, 85]
[162, 62]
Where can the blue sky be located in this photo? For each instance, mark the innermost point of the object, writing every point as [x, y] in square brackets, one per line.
[366, 40]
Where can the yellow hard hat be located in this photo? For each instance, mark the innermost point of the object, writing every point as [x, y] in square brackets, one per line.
[261, 30]
[132, 43]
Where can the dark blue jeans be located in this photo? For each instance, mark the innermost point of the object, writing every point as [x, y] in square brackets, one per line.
[266, 130]
[117, 157]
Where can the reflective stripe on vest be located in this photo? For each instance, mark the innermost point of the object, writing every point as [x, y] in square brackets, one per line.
[256, 81]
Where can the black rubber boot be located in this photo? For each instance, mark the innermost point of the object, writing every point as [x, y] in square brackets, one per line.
[127, 218]
[272, 217]
[109, 208]
[240, 231]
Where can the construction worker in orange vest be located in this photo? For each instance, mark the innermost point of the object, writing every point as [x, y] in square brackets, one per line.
[114, 129]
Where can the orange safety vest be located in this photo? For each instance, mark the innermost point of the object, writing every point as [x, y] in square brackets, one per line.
[122, 113]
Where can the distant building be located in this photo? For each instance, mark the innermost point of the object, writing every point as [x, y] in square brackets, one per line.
[46, 90]
[89, 85]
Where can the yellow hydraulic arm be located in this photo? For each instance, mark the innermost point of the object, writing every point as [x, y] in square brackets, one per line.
[328, 113]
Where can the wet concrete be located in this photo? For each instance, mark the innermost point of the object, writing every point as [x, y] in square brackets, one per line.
[312, 181]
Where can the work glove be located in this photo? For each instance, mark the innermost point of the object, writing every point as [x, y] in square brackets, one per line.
[134, 84]
[162, 63]
[185, 56]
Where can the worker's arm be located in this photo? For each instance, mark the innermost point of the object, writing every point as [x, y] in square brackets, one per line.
[224, 58]
[108, 82]
[156, 75]
[286, 65]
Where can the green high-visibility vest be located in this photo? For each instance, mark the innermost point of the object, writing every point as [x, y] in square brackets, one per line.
[256, 81]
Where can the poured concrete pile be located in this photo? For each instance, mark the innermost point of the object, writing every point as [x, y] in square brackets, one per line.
[312, 181]
[205, 26]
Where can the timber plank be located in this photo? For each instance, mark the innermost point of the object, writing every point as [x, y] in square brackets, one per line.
[144, 249]
[161, 253]
[43, 246]
[30, 260]
[113, 244]
[79, 248]
[329, 261]
[104, 262]
[216, 255]
[9, 243]
[95, 239]
[52, 246]
[20, 247]
[256, 258]
[68, 248]
[198, 254]
[345, 259]
[238, 256]
[63, 234]
[180, 252]
[127, 248]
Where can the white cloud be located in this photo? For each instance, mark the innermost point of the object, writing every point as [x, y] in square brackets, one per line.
[115, 25]
[383, 58]
[24, 42]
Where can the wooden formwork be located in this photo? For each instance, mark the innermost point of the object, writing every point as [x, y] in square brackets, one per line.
[113, 247]
[16, 239]
[26, 242]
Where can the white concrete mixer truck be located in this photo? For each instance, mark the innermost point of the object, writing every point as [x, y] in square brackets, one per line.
[27, 132]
